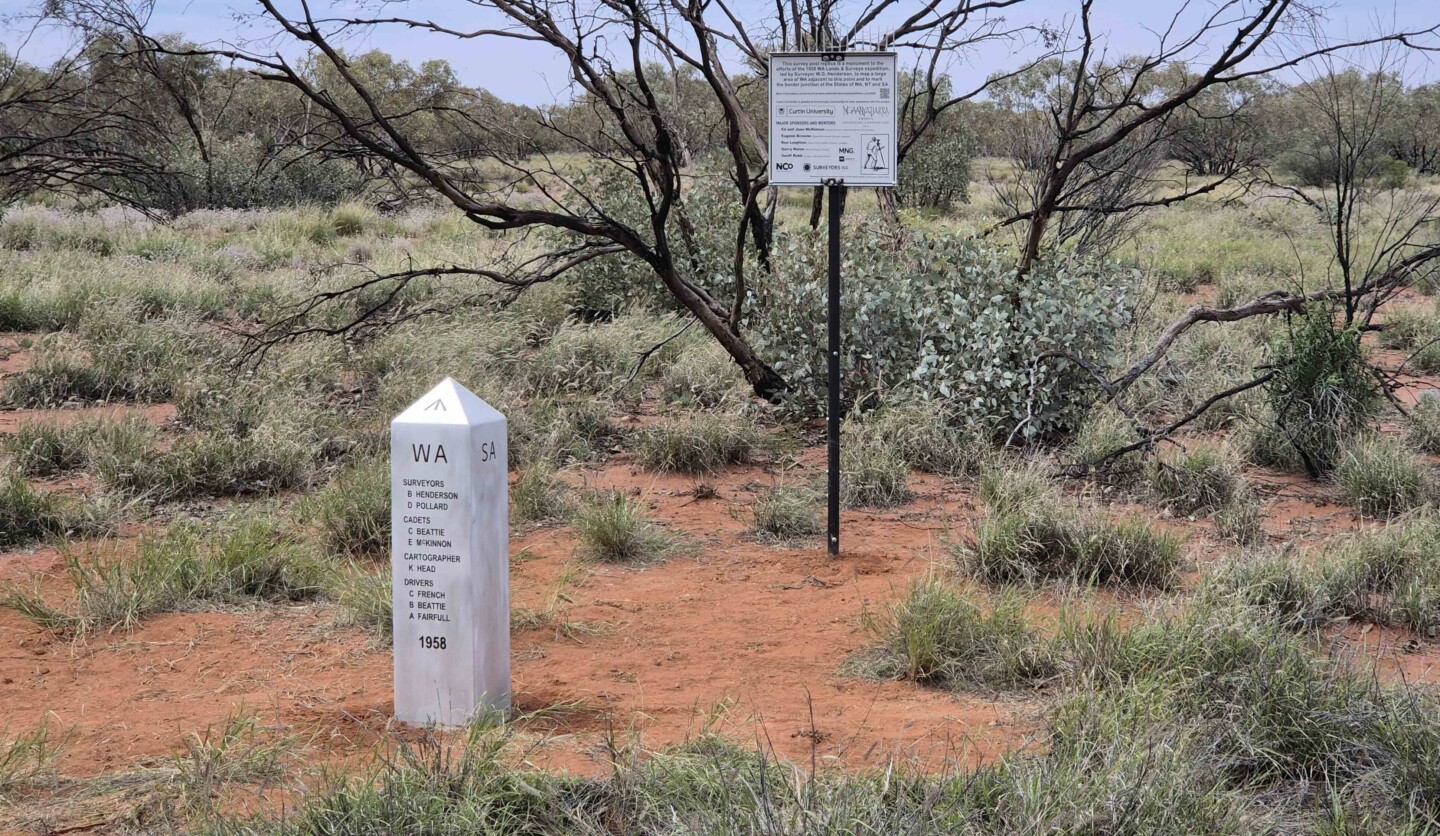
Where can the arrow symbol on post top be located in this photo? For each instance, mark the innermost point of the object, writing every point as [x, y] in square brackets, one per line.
[438, 404]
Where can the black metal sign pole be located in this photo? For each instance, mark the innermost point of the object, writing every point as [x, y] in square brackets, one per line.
[834, 189]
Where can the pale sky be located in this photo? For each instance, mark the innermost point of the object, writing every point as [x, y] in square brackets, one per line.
[530, 73]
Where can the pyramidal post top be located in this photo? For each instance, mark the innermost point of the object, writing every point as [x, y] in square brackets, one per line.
[449, 403]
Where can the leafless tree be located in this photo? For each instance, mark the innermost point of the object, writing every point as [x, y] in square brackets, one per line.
[1376, 230]
[1103, 112]
[610, 48]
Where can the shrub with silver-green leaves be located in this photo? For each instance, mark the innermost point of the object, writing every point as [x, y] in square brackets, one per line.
[944, 318]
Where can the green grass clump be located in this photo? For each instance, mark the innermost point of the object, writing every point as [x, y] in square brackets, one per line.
[696, 445]
[1030, 534]
[935, 636]
[28, 514]
[612, 527]
[540, 495]
[1276, 715]
[702, 375]
[873, 472]
[1198, 481]
[785, 513]
[1406, 326]
[1241, 519]
[1382, 477]
[205, 464]
[1422, 427]
[44, 448]
[238, 752]
[1388, 577]
[1104, 430]
[244, 562]
[926, 436]
[354, 510]
[28, 759]
[119, 356]
[363, 593]
[349, 220]
[561, 432]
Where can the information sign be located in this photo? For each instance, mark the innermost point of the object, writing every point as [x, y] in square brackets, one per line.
[832, 118]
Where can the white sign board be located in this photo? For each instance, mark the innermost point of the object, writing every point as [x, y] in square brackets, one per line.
[450, 558]
[832, 118]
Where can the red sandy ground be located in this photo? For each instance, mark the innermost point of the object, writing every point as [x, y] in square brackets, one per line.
[733, 635]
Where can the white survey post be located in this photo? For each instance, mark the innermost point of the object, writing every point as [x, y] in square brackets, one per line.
[450, 558]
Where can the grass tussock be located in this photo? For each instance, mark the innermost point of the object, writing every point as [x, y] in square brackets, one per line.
[1209, 722]
[239, 752]
[1383, 477]
[785, 513]
[44, 448]
[1202, 480]
[184, 567]
[873, 472]
[926, 436]
[539, 495]
[28, 514]
[1031, 534]
[353, 511]
[696, 445]
[613, 528]
[1387, 577]
[27, 759]
[1422, 427]
[1241, 520]
[937, 635]
[363, 593]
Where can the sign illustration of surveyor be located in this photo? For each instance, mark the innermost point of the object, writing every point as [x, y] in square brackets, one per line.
[875, 155]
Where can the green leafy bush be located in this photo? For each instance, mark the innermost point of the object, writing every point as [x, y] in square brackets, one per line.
[944, 319]
[1323, 393]
[935, 173]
